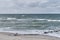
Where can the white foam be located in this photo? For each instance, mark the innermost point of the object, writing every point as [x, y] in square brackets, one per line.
[49, 20]
[5, 18]
[53, 34]
[26, 31]
[34, 32]
[7, 29]
[54, 20]
[11, 18]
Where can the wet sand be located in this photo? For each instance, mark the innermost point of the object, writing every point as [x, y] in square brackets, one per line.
[10, 36]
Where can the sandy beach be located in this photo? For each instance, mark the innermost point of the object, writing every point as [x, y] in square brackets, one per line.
[10, 36]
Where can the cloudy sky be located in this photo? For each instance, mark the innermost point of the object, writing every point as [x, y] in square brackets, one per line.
[29, 6]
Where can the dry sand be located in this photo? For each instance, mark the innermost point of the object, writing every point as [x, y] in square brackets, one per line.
[10, 36]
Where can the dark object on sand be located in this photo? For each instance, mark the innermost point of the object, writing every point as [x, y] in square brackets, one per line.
[16, 34]
[46, 32]
[50, 31]
[55, 31]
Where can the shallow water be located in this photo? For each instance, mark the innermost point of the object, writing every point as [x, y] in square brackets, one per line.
[30, 23]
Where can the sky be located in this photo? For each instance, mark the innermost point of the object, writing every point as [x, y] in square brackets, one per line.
[29, 6]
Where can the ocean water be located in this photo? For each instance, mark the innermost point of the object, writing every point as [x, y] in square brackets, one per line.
[30, 23]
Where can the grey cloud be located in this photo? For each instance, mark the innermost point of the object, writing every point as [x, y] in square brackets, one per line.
[36, 4]
[31, 6]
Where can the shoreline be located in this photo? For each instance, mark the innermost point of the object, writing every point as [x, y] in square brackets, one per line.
[10, 36]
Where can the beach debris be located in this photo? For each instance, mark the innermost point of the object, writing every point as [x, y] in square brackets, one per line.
[50, 31]
[55, 31]
[16, 34]
[46, 32]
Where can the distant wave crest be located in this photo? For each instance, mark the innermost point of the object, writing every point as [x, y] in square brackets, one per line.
[49, 20]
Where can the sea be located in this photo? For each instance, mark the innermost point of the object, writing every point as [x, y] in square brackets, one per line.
[45, 24]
